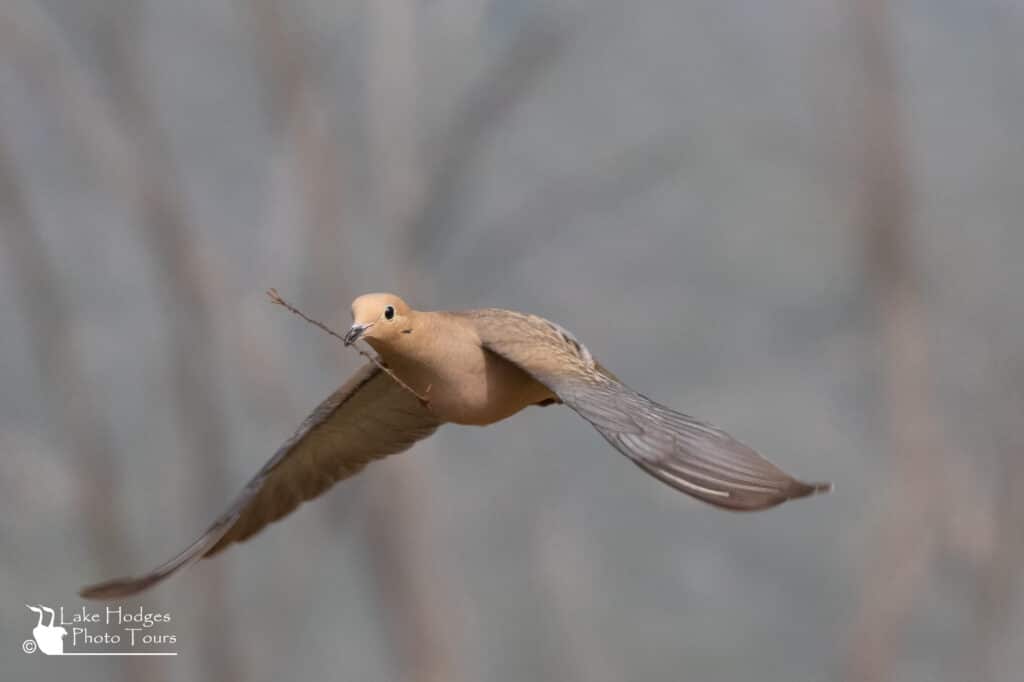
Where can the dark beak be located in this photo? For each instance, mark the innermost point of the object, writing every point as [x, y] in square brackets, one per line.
[355, 333]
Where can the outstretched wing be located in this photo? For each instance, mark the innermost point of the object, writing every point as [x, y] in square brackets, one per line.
[688, 454]
[367, 418]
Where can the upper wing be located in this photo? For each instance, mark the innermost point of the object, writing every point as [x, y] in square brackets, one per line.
[367, 418]
[688, 454]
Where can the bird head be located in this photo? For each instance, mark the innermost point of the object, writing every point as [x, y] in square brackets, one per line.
[378, 318]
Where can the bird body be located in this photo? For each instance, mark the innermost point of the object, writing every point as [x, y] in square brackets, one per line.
[475, 367]
[462, 381]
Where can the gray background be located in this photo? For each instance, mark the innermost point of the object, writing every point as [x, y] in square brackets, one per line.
[800, 220]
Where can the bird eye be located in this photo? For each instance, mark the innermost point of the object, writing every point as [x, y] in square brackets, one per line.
[389, 313]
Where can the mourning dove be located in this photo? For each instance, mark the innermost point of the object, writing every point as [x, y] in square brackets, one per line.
[475, 367]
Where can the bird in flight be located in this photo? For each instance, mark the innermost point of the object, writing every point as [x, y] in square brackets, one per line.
[475, 367]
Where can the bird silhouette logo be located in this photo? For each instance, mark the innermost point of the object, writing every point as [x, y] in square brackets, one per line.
[46, 638]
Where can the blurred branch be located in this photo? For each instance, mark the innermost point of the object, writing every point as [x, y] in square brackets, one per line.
[491, 101]
[400, 546]
[920, 505]
[567, 576]
[35, 46]
[311, 187]
[630, 173]
[85, 430]
[187, 290]
[393, 85]
[427, 196]
[997, 636]
[282, 56]
[132, 162]
[1000, 576]
[899, 562]
[416, 595]
[302, 116]
[420, 199]
[404, 537]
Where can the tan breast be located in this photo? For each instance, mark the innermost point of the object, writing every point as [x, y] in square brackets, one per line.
[464, 383]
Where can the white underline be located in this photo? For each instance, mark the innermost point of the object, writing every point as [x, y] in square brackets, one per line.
[119, 653]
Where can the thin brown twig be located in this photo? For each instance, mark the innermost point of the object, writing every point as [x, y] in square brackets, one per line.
[276, 298]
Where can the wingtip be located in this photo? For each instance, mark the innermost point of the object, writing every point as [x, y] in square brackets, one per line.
[802, 489]
[99, 591]
[115, 589]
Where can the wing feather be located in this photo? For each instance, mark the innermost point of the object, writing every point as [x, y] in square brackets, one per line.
[369, 417]
[688, 454]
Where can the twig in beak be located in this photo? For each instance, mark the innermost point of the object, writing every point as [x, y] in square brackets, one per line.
[276, 299]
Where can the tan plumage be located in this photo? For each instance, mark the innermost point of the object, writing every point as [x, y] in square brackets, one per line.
[476, 367]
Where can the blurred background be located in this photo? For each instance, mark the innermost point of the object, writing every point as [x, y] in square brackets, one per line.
[799, 220]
